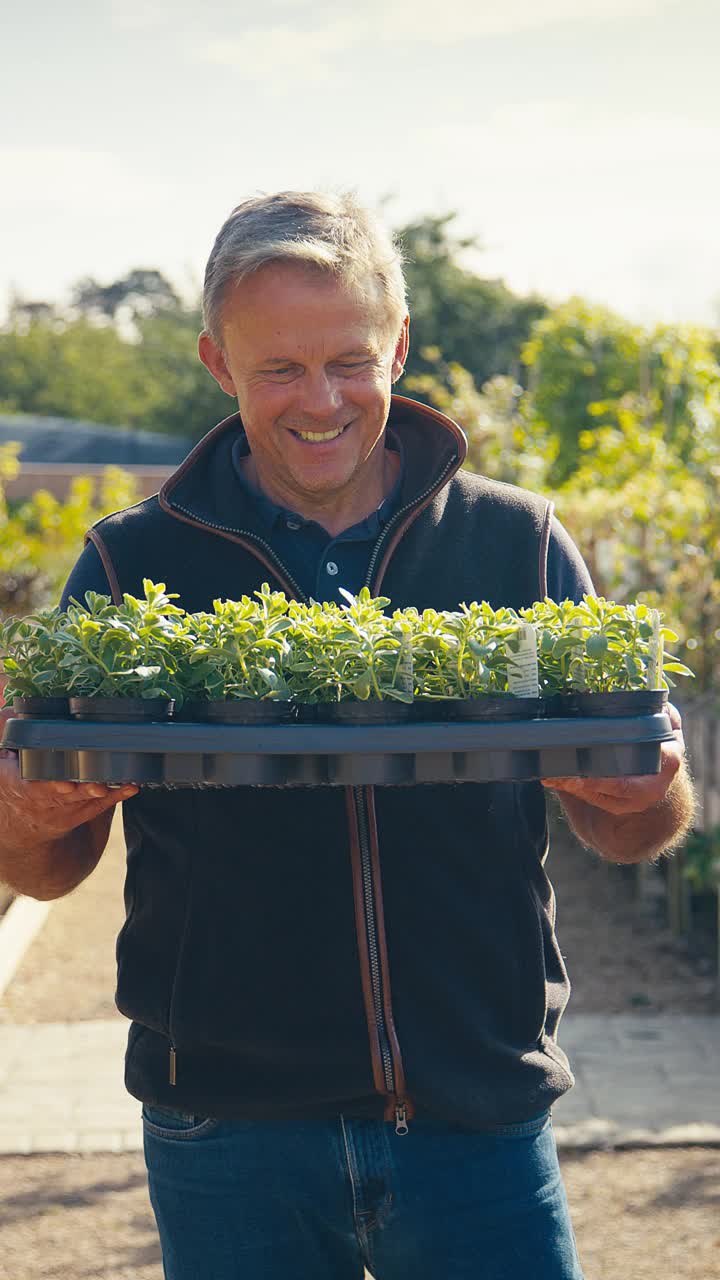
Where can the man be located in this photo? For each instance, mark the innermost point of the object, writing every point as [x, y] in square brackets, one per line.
[344, 1006]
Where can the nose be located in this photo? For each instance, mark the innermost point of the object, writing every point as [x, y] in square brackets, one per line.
[321, 396]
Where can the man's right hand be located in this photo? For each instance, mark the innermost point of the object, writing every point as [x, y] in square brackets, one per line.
[52, 834]
[50, 810]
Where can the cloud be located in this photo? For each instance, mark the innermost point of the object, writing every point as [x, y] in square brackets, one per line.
[141, 15]
[272, 52]
[264, 52]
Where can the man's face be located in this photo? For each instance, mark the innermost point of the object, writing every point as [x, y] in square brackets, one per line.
[304, 355]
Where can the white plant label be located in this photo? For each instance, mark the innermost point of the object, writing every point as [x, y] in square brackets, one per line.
[655, 660]
[523, 679]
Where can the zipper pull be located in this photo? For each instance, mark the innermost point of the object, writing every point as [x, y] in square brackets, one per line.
[173, 1066]
[401, 1120]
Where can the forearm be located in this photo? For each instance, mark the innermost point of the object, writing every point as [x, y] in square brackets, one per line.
[48, 869]
[634, 837]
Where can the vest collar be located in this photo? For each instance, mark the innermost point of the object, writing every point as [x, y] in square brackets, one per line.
[204, 490]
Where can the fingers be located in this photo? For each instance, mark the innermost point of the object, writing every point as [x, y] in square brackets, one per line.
[89, 808]
[82, 792]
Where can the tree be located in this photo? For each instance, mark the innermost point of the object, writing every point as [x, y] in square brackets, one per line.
[75, 367]
[584, 361]
[477, 323]
[142, 291]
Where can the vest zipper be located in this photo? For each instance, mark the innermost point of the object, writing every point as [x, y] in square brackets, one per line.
[392, 1072]
[371, 928]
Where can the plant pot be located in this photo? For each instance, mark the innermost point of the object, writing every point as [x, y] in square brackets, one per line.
[357, 711]
[621, 702]
[41, 708]
[121, 709]
[240, 711]
[500, 706]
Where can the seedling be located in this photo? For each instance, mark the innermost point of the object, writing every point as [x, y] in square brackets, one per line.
[240, 650]
[348, 651]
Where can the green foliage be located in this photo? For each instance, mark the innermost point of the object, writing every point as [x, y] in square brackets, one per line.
[127, 650]
[462, 654]
[240, 650]
[600, 647]
[701, 859]
[586, 364]
[477, 323]
[40, 537]
[648, 525]
[29, 649]
[349, 651]
[579, 356]
[147, 377]
[269, 647]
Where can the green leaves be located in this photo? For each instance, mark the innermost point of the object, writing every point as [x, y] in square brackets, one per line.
[349, 651]
[269, 647]
[600, 646]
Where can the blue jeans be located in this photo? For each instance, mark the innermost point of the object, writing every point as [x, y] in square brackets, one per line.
[322, 1200]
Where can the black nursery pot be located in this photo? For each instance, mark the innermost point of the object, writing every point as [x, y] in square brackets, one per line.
[357, 711]
[622, 702]
[121, 709]
[240, 711]
[41, 708]
[493, 707]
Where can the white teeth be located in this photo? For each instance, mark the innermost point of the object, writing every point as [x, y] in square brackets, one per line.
[318, 435]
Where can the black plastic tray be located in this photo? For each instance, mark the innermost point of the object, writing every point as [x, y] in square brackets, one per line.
[186, 755]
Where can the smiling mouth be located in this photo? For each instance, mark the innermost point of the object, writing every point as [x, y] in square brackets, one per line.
[319, 437]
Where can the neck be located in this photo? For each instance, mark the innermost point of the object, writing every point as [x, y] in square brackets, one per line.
[337, 511]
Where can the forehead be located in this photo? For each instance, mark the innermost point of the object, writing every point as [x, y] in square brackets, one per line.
[291, 303]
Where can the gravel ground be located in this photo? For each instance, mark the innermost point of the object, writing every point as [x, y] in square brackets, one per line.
[638, 1215]
[68, 974]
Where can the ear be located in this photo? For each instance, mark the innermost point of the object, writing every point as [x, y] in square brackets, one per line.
[214, 359]
[402, 347]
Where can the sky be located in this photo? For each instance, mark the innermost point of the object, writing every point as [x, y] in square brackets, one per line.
[578, 140]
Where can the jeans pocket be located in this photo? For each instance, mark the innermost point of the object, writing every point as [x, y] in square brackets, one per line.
[164, 1122]
[524, 1128]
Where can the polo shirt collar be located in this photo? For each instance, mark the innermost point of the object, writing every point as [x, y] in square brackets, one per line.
[269, 514]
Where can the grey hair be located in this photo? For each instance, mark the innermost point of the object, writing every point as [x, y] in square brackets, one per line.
[326, 231]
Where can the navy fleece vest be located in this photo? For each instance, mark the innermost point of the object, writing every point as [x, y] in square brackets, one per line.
[240, 950]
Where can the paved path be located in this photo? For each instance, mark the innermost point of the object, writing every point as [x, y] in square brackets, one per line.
[652, 1080]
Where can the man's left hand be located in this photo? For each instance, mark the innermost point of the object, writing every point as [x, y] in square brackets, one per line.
[633, 794]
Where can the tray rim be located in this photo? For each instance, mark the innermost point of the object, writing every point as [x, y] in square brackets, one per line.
[182, 738]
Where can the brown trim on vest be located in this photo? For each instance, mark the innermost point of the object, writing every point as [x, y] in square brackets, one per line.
[93, 536]
[441, 418]
[232, 421]
[543, 552]
[357, 882]
[287, 586]
[398, 1067]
